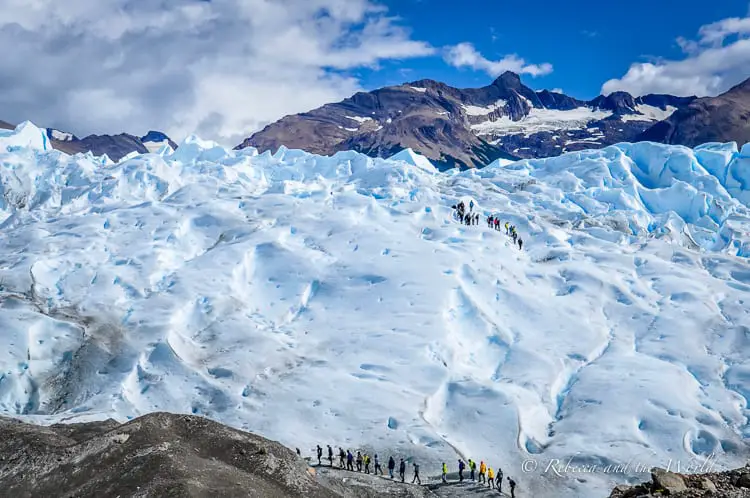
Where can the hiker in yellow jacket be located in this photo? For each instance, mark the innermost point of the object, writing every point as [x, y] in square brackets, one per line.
[482, 470]
[490, 477]
[445, 472]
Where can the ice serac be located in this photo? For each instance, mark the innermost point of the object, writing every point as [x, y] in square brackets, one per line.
[335, 299]
[411, 157]
[25, 135]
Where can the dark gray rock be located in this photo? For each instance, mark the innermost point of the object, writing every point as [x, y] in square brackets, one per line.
[669, 482]
[725, 484]
[743, 481]
[724, 118]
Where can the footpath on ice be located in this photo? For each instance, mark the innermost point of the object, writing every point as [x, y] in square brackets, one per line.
[335, 300]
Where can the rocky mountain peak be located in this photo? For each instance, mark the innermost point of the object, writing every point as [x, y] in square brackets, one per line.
[508, 79]
[617, 102]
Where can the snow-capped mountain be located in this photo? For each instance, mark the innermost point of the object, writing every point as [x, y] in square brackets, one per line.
[336, 300]
[467, 127]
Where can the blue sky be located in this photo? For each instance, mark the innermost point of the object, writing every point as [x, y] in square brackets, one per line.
[223, 69]
[587, 41]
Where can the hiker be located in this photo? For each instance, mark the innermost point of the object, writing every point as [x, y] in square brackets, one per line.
[402, 469]
[469, 218]
[499, 480]
[391, 466]
[507, 229]
[512, 484]
[497, 224]
[520, 243]
[359, 462]
[330, 456]
[367, 464]
[349, 460]
[377, 466]
[489, 221]
[461, 467]
[471, 205]
[298, 452]
[515, 236]
[445, 472]
[476, 218]
[482, 470]
[472, 468]
[416, 474]
[342, 457]
[320, 454]
[490, 478]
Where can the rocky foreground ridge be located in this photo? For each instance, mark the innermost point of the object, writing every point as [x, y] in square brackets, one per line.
[162, 454]
[731, 484]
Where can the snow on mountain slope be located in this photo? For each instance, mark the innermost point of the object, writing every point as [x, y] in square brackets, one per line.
[649, 113]
[540, 120]
[335, 300]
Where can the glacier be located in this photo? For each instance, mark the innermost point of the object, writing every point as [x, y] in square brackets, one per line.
[335, 300]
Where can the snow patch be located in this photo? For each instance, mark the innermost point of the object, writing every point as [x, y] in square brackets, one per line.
[62, 136]
[360, 119]
[539, 120]
[472, 110]
[649, 113]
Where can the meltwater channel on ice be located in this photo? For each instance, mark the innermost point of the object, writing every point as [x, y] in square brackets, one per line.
[336, 300]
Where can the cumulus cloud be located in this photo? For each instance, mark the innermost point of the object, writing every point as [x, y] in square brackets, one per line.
[714, 62]
[223, 68]
[466, 55]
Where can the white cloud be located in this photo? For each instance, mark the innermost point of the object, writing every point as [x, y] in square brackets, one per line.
[223, 68]
[717, 60]
[466, 55]
[557, 90]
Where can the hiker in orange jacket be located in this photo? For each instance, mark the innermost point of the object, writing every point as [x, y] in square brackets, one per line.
[482, 470]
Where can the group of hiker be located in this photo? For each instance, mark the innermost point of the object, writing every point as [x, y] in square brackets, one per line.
[361, 463]
[472, 218]
[486, 476]
[347, 461]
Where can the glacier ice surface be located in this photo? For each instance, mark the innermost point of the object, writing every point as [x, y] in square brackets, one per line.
[335, 300]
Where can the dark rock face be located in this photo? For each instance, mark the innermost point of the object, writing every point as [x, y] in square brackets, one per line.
[724, 118]
[618, 102]
[156, 455]
[465, 127]
[115, 146]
